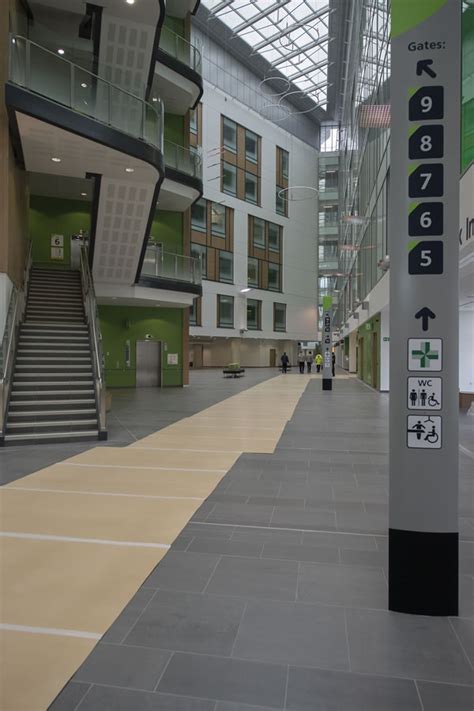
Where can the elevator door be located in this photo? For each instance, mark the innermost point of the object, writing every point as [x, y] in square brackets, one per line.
[148, 364]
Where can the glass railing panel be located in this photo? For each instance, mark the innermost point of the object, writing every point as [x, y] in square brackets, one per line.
[166, 265]
[180, 48]
[185, 160]
[46, 73]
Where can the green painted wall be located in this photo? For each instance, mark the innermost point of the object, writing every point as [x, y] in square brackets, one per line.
[175, 24]
[364, 341]
[167, 227]
[120, 324]
[467, 153]
[48, 216]
[174, 129]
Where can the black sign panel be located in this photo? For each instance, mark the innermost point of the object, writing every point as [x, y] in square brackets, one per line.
[426, 219]
[427, 142]
[426, 258]
[426, 181]
[427, 103]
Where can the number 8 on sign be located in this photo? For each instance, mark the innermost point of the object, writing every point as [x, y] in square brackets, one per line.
[426, 142]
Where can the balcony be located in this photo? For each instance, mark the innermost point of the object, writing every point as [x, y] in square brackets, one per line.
[183, 178]
[164, 270]
[178, 79]
[68, 122]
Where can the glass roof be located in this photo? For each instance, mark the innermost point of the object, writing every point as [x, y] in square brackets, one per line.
[290, 34]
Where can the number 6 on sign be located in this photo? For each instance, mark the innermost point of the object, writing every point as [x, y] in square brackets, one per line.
[425, 218]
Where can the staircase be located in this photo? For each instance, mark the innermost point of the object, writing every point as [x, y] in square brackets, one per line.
[53, 397]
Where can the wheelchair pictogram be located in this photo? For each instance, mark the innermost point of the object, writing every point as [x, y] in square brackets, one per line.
[423, 432]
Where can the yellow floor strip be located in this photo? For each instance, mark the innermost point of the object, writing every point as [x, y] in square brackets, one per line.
[81, 536]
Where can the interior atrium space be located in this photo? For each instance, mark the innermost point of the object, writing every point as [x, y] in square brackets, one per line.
[237, 355]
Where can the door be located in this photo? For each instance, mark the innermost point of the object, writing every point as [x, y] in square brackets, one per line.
[273, 357]
[375, 363]
[197, 355]
[148, 374]
[361, 358]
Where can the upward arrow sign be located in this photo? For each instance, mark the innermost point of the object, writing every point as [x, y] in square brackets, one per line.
[425, 314]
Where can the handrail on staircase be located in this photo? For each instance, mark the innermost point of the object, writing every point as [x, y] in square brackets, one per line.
[92, 317]
[16, 310]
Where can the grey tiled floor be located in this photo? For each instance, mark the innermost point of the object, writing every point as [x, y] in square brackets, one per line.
[274, 595]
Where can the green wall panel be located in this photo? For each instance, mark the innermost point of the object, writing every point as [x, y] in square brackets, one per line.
[174, 129]
[48, 216]
[467, 155]
[366, 333]
[167, 227]
[175, 24]
[120, 324]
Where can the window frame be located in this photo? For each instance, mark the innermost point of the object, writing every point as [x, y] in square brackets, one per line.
[278, 267]
[233, 168]
[228, 121]
[247, 175]
[202, 257]
[251, 158]
[202, 202]
[249, 283]
[258, 306]
[223, 252]
[275, 250]
[214, 231]
[275, 328]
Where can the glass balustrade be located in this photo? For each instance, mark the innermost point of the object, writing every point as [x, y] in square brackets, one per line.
[165, 265]
[185, 160]
[179, 48]
[42, 71]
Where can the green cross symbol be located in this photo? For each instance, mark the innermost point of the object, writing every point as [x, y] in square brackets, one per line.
[425, 355]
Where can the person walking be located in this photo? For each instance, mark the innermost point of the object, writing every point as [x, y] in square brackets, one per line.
[319, 361]
[301, 358]
[285, 361]
[309, 362]
[333, 361]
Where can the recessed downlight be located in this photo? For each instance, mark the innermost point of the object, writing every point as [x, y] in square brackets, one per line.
[154, 99]
[60, 51]
[84, 194]
[84, 85]
[130, 2]
[129, 170]
[55, 159]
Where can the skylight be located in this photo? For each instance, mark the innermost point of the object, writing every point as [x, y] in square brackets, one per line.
[290, 34]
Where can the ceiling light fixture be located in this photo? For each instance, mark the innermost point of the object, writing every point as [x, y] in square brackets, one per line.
[244, 291]
[84, 85]
[55, 159]
[130, 2]
[154, 99]
[129, 170]
[60, 51]
[84, 194]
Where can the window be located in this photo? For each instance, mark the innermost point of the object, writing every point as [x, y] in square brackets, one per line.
[254, 315]
[199, 216]
[229, 134]
[252, 272]
[193, 121]
[195, 313]
[251, 146]
[273, 237]
[279, 317]
[251, 188]
[226, 267]
[218, 219]
[199, 251]
[285, 163]
[225, 311]
[280, 202]
[258, 233]
[229, 178]
[274, 277]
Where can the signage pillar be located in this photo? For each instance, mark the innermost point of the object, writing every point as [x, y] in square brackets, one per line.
[424, 306]
[327, 342]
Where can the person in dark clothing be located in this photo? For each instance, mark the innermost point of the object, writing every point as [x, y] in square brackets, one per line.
[301, 361]
[333, 360]
[285, 361]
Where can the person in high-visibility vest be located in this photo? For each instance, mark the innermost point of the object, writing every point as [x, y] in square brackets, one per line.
[319, 361]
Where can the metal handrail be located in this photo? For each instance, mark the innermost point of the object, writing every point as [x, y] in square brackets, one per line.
[85, 92]
[167, 265]
[185, 160]
[15, 314]
[181, 49]
[92, 317]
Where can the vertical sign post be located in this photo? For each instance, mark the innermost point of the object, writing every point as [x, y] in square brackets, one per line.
[327, 342]
[424, 306]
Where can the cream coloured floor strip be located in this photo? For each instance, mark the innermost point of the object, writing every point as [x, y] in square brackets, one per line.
[72, 529]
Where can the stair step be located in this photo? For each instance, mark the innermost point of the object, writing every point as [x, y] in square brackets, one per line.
[35, 359]
[26, 349]
[15, 403]
[47, 383]
[52, 327]
[51, 413]
[23, 395]
[45, 437]
[51, 423]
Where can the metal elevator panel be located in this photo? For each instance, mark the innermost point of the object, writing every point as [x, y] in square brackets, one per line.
[148, 373]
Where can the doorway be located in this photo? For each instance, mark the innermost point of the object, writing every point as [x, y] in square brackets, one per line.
[361, 358]
[273, 357]
[148, 373]
[197, 355]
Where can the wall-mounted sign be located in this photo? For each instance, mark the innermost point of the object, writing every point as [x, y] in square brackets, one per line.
[172, 359]
[57, 240]
[57, 253]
